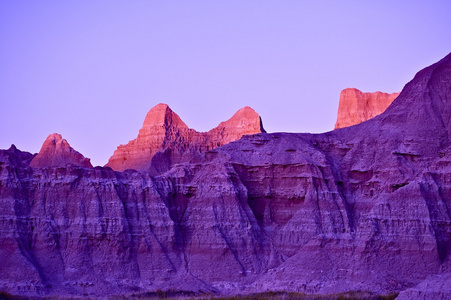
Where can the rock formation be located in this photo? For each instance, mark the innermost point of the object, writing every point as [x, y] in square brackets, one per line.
[56, 152]
[165, 136]
[355, 107]
[432, 288]
[361, 208]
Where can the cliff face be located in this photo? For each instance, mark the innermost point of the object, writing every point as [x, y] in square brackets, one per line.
[164, 140]
[355, 107]
[361, 208]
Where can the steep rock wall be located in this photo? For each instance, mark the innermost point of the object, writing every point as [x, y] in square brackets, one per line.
[360, 208]
[355, 106]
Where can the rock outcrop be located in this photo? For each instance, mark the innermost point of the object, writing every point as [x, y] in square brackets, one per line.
[355, 107]
[363, 208]
[164, 139]
[56, 152]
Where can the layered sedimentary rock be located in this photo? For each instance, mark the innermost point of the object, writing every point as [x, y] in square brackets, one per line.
[56, 152]
[361, 208]
[355, 106]
[164, 139]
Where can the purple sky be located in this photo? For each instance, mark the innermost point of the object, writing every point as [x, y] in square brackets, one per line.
[91, 70]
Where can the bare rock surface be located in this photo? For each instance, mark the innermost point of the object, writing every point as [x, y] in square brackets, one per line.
[165, 139]
[56, 152]
[435, 287]
[363, 208]
[355, 106]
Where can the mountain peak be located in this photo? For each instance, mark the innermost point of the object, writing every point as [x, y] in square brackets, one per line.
[246, 120]
[246, 113]
[162, 115]
[56, 152]
[12, 148]
[164, 132]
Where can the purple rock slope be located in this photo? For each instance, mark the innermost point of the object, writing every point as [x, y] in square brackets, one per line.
[360, 208]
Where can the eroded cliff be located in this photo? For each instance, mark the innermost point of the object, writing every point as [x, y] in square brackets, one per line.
[359, 208]
[355, 106]
[165, 139]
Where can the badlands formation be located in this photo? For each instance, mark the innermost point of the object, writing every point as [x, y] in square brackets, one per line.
[355, 107]
[56, 152]
[361, 208]
[164, 140]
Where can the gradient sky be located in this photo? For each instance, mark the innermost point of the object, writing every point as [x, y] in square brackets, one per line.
[91, 70]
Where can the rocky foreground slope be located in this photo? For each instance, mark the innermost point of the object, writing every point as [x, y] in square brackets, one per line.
[365, 207]
[356, 107]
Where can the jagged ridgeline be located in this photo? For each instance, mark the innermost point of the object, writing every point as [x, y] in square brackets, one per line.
[362, 208]
[165, 139]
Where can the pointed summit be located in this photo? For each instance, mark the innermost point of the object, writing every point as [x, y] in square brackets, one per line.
[159, 123]
[56, 152]
[162, 115]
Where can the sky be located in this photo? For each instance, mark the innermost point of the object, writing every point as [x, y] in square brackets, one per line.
[91, 70]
